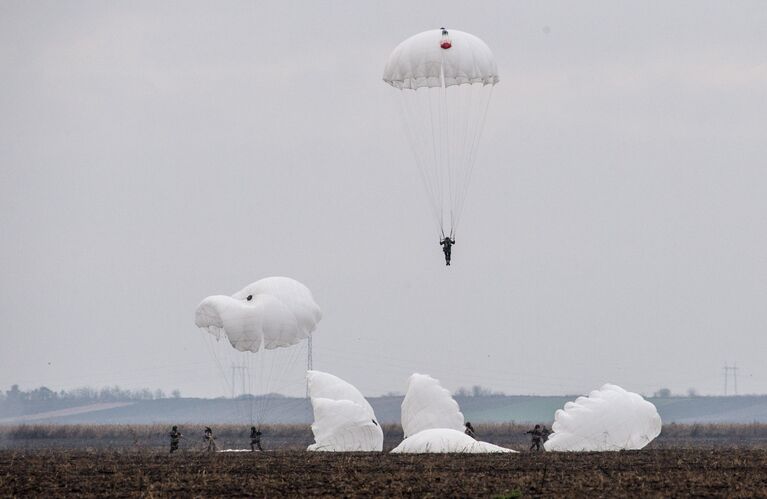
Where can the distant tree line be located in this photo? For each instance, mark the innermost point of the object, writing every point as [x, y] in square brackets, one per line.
[666, 393]
[84, 394]
[477, 391]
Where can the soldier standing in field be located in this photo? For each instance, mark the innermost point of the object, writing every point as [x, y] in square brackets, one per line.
[175, 436]
[209, 439]
[537, 436]
[255, 439]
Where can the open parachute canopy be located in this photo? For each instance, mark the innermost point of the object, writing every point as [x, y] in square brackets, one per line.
[343, 420]
[609, 419]
[423, 61]
[256, 338]
[445, 79]
[271, 313]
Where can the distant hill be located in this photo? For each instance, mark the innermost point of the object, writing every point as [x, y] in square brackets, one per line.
[284, 410]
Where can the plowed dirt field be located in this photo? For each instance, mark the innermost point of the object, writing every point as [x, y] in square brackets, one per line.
[653, 472]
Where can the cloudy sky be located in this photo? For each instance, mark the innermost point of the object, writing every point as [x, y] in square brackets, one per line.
[154, 153]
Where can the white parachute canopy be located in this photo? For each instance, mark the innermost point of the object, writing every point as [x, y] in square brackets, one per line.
[421, 61]
[445, 79]
[609, 419]
[271, 313]
[256, 337]
[444, 440]
[427, 405]
[343, 420]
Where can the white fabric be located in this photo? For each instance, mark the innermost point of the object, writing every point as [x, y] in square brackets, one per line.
[444, 96]
[427, 405]
[280, 313]
[420, 61]
[444, 440]
[343, 420]
[609, 419]
[326, 385]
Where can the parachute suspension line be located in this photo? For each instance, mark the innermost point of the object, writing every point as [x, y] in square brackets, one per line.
[267, 362]
[267, 381]
[436, 144]
[485, 96]
[286, 359]
[436, 159]
[413, 118]
[230, 384]
[422, 164]
[259, 400]
[482, 118]
[207, 339]
[301, 352]
[446, 139]
[292, 354]
[465, 104]
[266, 395]
[250, 390]
[420, 161]
[458, 103]
[430, 171]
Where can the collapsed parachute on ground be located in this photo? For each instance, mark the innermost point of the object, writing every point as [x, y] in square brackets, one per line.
[343, 420]
[256, 338]
[427, 405]
[445, 80]
[444, 440]
[609, 419]
[271, 313]
[433, 423]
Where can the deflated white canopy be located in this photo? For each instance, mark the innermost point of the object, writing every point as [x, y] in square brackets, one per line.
[608, 419]
[441, 440]
[343, 419]
[271, 313]
[420, 61]
[427, 405]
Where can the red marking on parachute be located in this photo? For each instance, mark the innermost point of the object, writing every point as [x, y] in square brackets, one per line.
[446, 44]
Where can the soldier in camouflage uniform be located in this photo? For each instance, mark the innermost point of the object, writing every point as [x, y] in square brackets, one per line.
[209, 439]
[545, 432]
[175, 436]
[537, 437]
[255, 439]
[447, 245]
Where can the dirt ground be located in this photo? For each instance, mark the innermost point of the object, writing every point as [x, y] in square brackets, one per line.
[655, 472]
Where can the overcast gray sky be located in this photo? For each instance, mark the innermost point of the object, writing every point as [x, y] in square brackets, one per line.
[154, 153]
